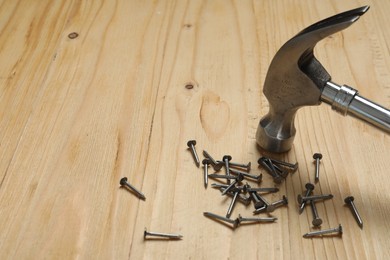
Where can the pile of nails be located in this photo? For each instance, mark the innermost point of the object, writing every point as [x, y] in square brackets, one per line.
[236, 173]
[231, 183]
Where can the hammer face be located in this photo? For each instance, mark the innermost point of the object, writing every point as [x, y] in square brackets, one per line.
[273, 134]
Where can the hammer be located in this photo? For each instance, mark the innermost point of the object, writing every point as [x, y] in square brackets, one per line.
[296, 78]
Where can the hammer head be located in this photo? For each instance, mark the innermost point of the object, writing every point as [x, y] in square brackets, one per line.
[295, 79]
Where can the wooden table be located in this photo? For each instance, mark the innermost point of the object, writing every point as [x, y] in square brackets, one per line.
[91, 91]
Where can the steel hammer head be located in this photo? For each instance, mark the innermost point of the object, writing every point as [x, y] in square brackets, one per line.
[295, 79]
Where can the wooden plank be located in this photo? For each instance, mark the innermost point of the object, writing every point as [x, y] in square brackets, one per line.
[140, 80]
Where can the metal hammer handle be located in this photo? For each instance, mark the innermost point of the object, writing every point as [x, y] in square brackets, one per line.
[347, 101]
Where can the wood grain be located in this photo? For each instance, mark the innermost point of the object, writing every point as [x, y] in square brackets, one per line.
[78, 114]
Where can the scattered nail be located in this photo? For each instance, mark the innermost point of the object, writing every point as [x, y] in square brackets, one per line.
[217, 165]
[206, 163]
[333, 231]
[227, 220]
[303, 199]
[161, 235]
[191, 144]
[123, 182]
[349, 201]
[282, 202]
[309, 190]
[257, 178]
[317, 157]
[317, 221]
[256, 220]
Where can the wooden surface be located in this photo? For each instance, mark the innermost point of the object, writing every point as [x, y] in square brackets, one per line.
[78, 114]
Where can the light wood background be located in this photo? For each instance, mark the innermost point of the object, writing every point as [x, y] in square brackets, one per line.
[78, 114]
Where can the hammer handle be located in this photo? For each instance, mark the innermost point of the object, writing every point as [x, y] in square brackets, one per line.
[347, 101]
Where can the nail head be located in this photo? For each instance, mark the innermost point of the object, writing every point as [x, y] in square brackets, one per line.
[123, 181]
[191, 142]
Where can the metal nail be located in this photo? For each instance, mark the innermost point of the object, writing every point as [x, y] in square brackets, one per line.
[336, 231]
[256, 201]
[241, 197]
[123, 182]
[218, 185]
[220, 176]
[264, 162]
[260, 209]
[280, 171]
[294, 166]
[270, 207]
[238, 179]
[216, 165]
[247, 166]
[191, 144]
[257, 178]
[271, 189]
[317, 157]
[256, 220]
[317, 221]
[232, 203]
[224, 186]
[283, 201]
[349, 201]
[161, 235]
[206, 163]
[226, 159]
[215, 216]
[309, 190]
[242, 165]
[303, 199]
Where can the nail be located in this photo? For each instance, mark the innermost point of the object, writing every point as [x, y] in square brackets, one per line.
[226, 159]
[257, 178]
[241, 197]
[309, 190]
[220, 176]
[191, 144]
[206, 163]
[224, 186]
[317, 221]
[232, 203]
[271, 189]
[238, 179]
[269, 207]
[247, 166]
[294, 166]
[123, 182]
[349, 201]
[256, 220]
[283, 201]
[218, 185]
[303, 199]
[280, 171]
[215, 216]
[256, 201]
[317, 157]
[264, 162]
[336, 231]
[162, 235]
[260, 209]
[216, 165]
